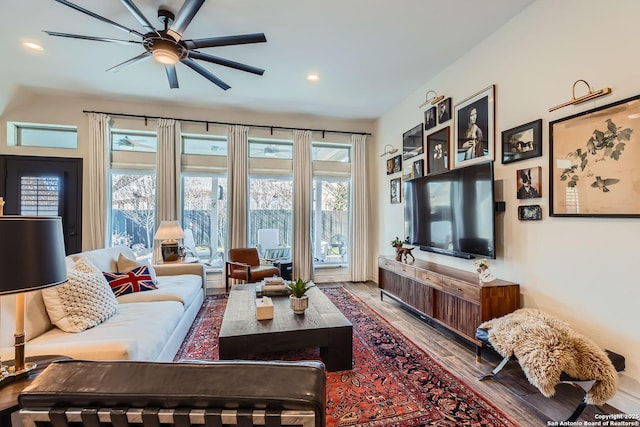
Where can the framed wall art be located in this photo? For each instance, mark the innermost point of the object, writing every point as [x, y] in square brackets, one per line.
[444, 111]
[394, 164]
[413, 142]
[593, 158]
[529, 213]
[522, 142]
[438, 151]
[418, 168]
[474, 138]
[528, 181]
[430, 118]
[396, 190]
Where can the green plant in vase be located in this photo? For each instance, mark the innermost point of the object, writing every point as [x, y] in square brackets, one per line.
[298, 300]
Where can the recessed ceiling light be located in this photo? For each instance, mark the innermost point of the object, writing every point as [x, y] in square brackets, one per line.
[32, 45]
[313, 77]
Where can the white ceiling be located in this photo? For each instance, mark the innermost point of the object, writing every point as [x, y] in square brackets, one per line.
[370, 54]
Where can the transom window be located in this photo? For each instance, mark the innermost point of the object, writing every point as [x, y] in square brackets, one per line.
[270, 149]
[204, 145]
[41, 135]
[134, 141]
[330, 153]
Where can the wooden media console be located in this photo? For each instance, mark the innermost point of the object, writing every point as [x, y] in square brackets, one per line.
[455, 299]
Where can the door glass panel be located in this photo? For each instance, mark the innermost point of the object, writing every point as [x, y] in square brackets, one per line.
[40, 195]
[330, 225]
[270, 216]
[133, 200]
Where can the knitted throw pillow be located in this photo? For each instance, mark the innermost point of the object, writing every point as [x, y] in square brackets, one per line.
[136, 280]
[83, 302]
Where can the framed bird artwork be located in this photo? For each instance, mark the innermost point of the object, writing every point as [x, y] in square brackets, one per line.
[593, 158]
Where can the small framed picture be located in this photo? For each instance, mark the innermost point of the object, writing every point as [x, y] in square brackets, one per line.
[522, 142]
[394, 164]
[396, 190]
[438, 151]
[444, 111]
[528, 182]
[430, 118]
[529, 213]
[418, 168]
[475, 128]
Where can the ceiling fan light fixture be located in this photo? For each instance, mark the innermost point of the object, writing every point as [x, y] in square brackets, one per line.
[165, 56]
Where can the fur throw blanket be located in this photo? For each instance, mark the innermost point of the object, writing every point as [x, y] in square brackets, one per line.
[546, 346]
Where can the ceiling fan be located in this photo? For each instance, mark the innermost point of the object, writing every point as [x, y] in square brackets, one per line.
[166, 45]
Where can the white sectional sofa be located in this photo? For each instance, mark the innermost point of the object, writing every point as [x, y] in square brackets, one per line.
[148, 326]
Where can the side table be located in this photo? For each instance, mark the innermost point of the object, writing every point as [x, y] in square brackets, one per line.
[10, 392]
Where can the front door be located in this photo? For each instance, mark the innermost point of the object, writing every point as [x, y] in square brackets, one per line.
[45, 186]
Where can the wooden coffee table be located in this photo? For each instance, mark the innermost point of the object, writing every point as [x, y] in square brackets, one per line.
[322, 325]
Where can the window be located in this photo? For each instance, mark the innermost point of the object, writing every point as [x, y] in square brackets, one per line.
[204, 217]
[133, 196]
[330, 153]
[40, 195]
[40, 135]
[270, 208]
[204, 145]
[270, 149]
[330, 224]
[145, 142]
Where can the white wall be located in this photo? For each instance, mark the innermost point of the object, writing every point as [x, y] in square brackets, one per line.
[579, 269]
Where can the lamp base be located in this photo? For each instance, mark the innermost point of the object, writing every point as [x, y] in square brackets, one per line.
[9, 374]
[170, 251]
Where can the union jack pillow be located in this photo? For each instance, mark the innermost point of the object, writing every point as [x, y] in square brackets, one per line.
[137, 280]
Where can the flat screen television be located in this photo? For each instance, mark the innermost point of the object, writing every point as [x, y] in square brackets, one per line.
[452, 212]
[412, 144]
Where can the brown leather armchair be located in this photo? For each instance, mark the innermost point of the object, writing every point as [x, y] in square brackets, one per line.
[244, 264]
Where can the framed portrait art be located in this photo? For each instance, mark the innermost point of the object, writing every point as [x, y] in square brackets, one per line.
[528, 181]
[438, 151]
[522, 142]
[474, 138]
[396, 190]
[430, 118]
[444, 111]
[593, 158]
[418, 168]
[394, 164]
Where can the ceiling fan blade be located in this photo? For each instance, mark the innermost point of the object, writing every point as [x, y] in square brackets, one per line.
[183, 17]
[226, 62]
[131, 61]
[138, 15]
[225, 41]
[97, 39]
[204, 73]
[172, 76]
[96, 16]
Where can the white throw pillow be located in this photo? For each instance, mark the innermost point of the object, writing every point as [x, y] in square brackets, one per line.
[85, 301]
[125, 265]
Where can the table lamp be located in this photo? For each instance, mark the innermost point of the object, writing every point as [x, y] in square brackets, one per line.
[32, 256]
[169, 232]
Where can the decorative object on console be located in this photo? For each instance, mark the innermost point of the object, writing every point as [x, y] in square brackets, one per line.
[298, 300]
[169, 232]
[402, 254]
[28, 242]
[475, 128]
[522, 142]
[529, 213]
[438, 151]
[590, 162]
[484, 273]
[588, 97]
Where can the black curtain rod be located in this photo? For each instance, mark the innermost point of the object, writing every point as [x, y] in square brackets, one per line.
[207, 122]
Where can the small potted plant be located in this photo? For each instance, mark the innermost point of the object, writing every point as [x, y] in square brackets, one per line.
[298, 300]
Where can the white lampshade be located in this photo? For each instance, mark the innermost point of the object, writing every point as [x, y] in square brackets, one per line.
[169, 230]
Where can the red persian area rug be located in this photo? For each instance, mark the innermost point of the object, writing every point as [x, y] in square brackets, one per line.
[392, 383]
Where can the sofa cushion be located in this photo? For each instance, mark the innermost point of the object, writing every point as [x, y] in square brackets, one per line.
[136, 280]
[83, 302]
[125, 264]
[135, 332]
[183, 288]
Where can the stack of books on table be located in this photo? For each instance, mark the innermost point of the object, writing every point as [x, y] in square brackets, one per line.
[272, 286]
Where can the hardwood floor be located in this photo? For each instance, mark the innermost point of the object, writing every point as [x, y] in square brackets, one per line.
[510, 391]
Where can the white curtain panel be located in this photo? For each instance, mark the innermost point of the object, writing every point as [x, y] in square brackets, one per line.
[99, 166]
[359, 238]
[237, 169]
[168, 171]
[302, 190]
